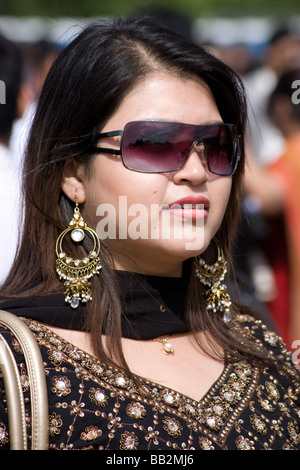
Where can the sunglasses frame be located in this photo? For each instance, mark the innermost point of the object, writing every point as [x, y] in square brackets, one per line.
[110, 151]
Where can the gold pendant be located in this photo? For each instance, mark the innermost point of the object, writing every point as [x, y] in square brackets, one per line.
[167, 347]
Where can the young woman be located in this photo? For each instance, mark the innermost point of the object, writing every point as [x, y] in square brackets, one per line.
[138, 142]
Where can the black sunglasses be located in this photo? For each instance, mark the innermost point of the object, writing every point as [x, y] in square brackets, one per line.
[161, 146]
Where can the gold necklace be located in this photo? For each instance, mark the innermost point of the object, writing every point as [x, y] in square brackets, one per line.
[167, 347]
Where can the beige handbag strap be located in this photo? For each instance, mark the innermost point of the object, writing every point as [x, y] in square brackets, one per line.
[38, 387]
[14, 397]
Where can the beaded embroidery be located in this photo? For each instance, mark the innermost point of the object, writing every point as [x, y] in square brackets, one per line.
[95, 406]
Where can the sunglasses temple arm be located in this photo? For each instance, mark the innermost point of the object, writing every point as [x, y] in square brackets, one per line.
[104, 149]
[109, 134]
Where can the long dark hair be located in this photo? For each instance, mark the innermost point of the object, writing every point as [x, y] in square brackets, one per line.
[83, 89]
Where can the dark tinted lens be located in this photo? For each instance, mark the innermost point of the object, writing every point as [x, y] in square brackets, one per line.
[154, 146]
[221, 149]
[158, 147]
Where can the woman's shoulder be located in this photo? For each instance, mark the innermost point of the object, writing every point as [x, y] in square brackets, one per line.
[250, 321]
[257, 328]
[266, 339]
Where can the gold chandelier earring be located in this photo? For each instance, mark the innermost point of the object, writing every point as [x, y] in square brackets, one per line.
[212, 276]
[77, 272]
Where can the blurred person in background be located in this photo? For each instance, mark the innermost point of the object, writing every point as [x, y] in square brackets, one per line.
[284, 110]
[37, 59]
[10, 109]
[282, 54]
[262, 251]
[264, 199]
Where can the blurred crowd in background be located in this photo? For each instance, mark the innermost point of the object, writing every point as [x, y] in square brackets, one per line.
[267, 248]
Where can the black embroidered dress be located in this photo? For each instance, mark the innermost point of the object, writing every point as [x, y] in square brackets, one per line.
[94, 406]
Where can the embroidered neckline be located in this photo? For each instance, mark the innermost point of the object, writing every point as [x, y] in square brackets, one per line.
[216, 411]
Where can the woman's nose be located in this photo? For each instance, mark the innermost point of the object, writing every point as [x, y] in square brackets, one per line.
[195, 168]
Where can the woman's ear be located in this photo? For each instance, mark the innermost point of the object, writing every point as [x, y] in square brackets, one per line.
[72, 184]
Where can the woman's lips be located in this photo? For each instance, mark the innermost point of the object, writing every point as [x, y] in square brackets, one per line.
[190, 207]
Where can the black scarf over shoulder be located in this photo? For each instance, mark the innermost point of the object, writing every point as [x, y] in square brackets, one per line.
[152, 306]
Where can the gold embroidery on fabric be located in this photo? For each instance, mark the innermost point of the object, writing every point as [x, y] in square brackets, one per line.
[205, 423]
[3, 435]
[55, 357]
[136, 410]
[294, 433]
[271, 338]
[24, 379]
[129, 441]
[77, 409]
[91, 433]
[98, 397]
[172, 426]
[55, 423]
[258, 424]
[61, 386]
[205, 443]
[272, 391]
[16, 346]
[152, 435]
[243, 443]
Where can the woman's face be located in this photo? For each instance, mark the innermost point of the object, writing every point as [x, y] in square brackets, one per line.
[132, 211]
